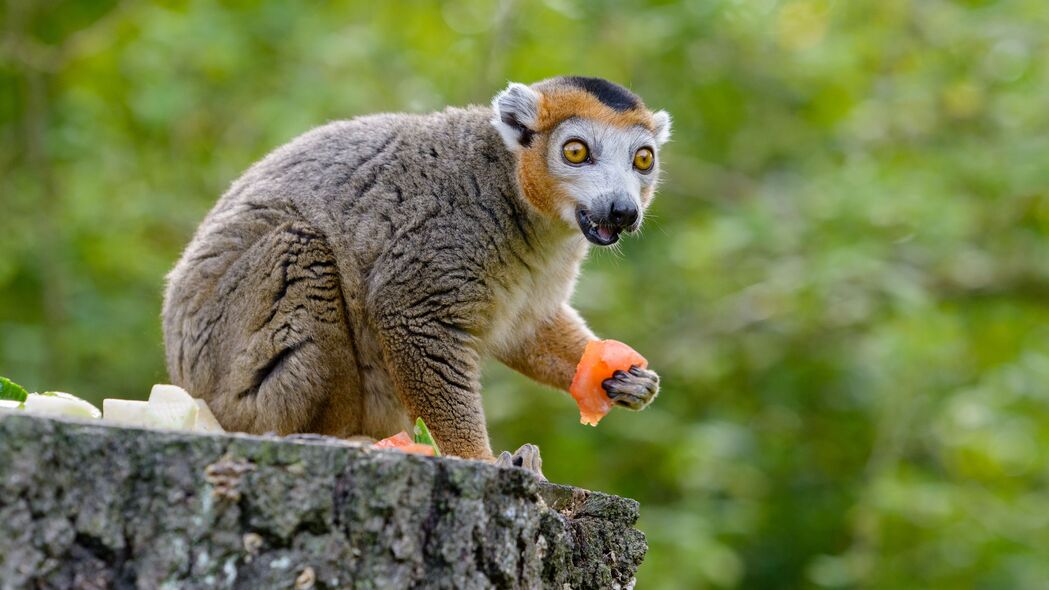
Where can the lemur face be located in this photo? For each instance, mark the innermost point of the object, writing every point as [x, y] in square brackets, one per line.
[587, 152]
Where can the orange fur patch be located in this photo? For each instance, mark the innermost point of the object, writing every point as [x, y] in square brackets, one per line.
[557, 105]
[538, 187]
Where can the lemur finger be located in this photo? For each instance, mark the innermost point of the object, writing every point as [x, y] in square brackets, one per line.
[505, 459]
[630, 402]
[648, 378]
[644, 373]
[615, 386]
[527, 457]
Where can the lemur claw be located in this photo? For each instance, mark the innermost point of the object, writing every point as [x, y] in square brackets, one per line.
[527, 458]
[633, 389]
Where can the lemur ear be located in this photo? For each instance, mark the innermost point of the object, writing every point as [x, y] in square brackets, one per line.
[516, 113]
[662, 122]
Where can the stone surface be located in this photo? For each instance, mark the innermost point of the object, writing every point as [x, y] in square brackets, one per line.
[87, 505]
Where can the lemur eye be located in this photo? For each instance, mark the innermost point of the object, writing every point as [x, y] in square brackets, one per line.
[575, 151]
[643, 159]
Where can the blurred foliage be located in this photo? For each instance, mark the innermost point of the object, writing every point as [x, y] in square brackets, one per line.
[844, 282]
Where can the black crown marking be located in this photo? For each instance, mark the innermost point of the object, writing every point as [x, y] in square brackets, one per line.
[612, 95]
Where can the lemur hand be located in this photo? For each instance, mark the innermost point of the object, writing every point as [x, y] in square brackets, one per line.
[633, 389]
[527, 458]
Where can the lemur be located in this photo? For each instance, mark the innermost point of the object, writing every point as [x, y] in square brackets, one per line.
[352, 280]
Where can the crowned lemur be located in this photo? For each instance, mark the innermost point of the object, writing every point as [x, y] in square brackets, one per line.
[352, 280]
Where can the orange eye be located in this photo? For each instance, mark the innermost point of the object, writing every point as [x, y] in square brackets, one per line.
[643, 159]
[575, 151]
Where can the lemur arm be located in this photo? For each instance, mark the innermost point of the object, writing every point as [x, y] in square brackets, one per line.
[551, 354]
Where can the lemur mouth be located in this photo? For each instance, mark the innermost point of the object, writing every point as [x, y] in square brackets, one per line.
[602, 235]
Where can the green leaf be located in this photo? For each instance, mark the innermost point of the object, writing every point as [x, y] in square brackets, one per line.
[12, 391]
[422, 436]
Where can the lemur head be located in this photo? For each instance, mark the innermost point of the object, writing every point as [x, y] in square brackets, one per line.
[586, 151]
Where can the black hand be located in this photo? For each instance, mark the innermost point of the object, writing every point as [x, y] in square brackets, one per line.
[633, 389]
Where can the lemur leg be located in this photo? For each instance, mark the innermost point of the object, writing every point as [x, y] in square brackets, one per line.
[436, 374]
[284, 359]
[551, 355]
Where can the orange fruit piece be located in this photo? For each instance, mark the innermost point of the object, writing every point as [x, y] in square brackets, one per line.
[600, 359]
[402, 442]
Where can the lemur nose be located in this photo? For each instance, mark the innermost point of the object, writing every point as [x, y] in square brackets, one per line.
[622, 215]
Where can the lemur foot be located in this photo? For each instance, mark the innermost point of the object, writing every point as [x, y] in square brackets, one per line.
[633, 389]
[527, 458]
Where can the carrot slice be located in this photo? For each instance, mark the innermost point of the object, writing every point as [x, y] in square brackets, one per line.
[601, 359]
[402, 442]
[418, 449]
[397, 441]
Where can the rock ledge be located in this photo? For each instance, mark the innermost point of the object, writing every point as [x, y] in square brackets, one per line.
[87, 505]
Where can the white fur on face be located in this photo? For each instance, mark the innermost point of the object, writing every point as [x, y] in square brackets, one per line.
[612, 169]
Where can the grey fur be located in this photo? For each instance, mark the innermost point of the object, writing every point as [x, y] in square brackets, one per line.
[352, 280]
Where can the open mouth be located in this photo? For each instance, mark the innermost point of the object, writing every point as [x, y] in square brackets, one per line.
[602, 235]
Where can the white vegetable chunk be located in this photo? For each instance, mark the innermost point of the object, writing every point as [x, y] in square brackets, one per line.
[170, 394]
[56, 403]
[206, 421]
[173, 408]
[127, 412]
[169, 407]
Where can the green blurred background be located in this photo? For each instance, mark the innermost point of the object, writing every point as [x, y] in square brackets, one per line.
[844, 281]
